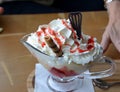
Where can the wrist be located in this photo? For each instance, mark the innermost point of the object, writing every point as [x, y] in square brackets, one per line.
[113, 8]
[107, 3]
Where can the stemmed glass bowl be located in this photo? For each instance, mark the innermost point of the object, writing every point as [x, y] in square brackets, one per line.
[68, 76]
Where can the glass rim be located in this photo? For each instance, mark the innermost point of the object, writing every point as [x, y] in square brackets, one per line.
[23, 40]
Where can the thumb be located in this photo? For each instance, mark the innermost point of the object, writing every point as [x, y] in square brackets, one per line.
[105, 41]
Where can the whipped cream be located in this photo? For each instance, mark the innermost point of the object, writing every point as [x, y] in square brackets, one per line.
[64, 36]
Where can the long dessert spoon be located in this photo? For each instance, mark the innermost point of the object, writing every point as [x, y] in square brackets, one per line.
[75, 20]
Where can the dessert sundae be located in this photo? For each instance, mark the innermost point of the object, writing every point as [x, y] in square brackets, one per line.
[66, 52]
[66, 55]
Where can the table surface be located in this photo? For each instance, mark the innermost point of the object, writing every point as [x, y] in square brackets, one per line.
[16, 62]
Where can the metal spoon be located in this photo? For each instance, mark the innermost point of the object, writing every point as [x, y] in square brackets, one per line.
[103, 84]
[75, 20]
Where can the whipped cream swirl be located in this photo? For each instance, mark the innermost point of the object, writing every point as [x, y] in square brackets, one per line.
[74, 50]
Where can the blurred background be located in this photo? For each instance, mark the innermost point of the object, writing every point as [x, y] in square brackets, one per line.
[50, 6]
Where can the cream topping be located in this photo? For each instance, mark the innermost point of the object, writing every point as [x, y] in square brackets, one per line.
[74, 50]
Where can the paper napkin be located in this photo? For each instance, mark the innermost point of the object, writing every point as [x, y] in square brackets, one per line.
[41, 75]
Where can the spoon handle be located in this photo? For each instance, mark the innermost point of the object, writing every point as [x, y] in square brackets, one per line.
[114, 83]
[103, 84]
[75, 20]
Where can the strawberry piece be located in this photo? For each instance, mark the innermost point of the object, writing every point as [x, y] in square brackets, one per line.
[63, 72]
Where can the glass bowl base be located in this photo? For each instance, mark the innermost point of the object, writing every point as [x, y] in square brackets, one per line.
[64, 86]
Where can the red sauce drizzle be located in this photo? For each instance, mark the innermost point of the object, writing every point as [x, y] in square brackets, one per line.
[65, 24]
[91, 40]
[76, 42]
[58, 41]
[53, 33]
[43, 44]
[39, 33]
[90, 43]
[89, 47]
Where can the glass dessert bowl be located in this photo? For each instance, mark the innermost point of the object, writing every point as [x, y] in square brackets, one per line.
[68, 76]
[66, 54]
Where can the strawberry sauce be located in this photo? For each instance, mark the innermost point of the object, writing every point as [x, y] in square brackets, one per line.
[62, 72]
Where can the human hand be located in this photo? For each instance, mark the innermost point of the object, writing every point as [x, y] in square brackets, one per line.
[112, 31]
